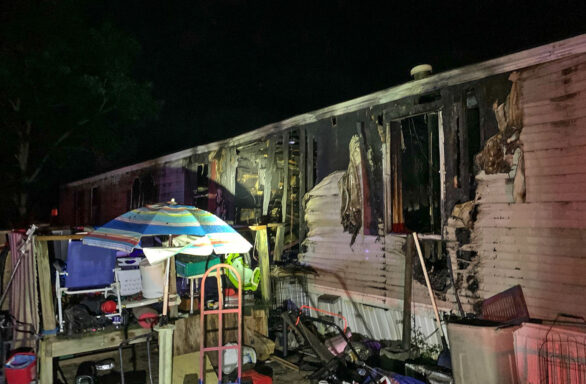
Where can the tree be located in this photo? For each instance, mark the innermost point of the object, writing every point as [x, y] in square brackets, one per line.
[68, 100]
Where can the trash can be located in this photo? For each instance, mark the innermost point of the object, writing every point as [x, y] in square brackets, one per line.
[152, 278]
[482, 353]
[21, 368]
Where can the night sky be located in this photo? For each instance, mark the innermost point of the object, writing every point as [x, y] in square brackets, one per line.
[229, 66]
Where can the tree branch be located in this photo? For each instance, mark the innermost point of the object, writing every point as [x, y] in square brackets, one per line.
[41, 165]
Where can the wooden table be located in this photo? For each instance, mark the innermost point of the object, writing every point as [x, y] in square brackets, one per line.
[61, 345]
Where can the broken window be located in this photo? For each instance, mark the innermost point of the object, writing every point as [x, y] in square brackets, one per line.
[202, 183]
[415, 175]
[135, 200]
[143, 192]
[472, 131]
[79, 203]
[149, 190]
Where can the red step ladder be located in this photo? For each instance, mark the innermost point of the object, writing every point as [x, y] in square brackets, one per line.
[220, 348]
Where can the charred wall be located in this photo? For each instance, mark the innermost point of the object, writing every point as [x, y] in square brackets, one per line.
[512, 180]
[525, 222]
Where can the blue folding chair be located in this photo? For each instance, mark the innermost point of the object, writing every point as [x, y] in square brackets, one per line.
[89, 270]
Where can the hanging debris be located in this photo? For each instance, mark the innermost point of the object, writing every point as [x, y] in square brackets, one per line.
[351, 192]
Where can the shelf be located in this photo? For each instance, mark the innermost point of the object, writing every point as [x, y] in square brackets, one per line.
[173, 300]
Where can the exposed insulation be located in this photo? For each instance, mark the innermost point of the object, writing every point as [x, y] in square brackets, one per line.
[360, 267]
[531, 226]
[350, 185]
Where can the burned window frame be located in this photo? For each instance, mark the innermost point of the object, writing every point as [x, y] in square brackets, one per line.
[393, 199]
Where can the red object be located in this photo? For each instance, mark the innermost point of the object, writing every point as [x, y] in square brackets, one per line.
[20, 375]
[147, 320]
[54, 212]
[506, 306]
[108, 306]
[256, 377]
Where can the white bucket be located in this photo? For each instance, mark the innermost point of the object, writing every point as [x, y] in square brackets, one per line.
[152, 279]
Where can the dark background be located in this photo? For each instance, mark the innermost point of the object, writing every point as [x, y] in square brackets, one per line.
[228, 66]
[220, 68]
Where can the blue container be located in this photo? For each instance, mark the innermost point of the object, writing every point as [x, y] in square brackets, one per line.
[89, 267]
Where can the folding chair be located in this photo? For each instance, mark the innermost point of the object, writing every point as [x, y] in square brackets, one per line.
[89, 270]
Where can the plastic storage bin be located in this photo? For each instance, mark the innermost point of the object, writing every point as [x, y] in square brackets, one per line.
[187, 265]
[130, 282]
[129, 275]
[21, 368]
[89, 267]
[482, 353]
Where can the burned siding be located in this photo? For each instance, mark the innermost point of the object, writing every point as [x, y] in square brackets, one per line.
[354, 269]
[525, 190]
[530, 226]
[362, 261]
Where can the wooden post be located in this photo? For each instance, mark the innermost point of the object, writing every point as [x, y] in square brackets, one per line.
[429, 289]
[285, 196]
[269, 175]
[279, 240]
[386, 148]
[407, 289]
[45, 362]
[302, 176]
[45, 287]
[165, 353]
[310, 165]
[263, 257]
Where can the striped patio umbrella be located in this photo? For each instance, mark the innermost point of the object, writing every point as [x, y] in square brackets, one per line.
[199, 232]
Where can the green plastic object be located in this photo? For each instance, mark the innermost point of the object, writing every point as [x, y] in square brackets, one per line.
[189, 265]
[250, 277]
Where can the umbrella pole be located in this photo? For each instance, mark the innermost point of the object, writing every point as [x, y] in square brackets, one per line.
[166, 290]
[166, 287]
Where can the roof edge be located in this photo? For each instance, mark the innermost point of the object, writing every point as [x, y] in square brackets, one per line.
[503, 64]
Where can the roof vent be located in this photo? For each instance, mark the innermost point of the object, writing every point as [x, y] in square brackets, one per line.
[421, 71]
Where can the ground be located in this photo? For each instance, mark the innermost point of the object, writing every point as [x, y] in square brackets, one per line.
[281, 375]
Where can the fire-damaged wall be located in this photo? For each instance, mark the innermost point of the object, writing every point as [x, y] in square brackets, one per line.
[526, 224]
[485, 162]
[358, 219]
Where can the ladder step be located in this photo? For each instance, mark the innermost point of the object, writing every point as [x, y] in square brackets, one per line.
[207, 349]
[217, 311]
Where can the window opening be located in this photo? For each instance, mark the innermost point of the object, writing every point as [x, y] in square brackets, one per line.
[472, 130]
[148, 191]
[135, 194]
[200, 193]
[95, 208]
[415, 175]
[79, 204]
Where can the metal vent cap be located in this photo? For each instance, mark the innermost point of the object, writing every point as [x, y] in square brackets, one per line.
[421, 71]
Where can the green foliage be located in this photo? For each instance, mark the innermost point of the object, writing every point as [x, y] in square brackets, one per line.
[422, 346]
[68, 99]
